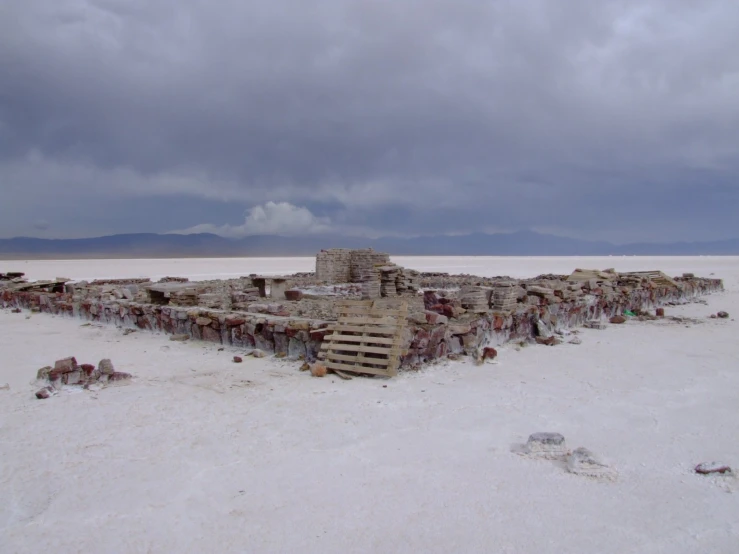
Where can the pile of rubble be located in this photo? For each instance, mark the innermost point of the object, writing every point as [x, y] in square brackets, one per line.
[67, 372]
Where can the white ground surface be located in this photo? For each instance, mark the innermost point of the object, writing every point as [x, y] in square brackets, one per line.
[202, 455]
[227, 268]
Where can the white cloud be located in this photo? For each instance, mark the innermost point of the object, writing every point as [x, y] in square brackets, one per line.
[272, 218]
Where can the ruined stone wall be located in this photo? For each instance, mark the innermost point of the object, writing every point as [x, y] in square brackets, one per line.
[439, 324]
[542, 309]
[342, 265]
[334, 266]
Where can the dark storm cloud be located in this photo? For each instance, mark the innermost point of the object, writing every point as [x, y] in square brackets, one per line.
[607, 119]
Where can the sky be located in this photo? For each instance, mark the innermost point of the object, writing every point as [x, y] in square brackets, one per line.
[612, 120]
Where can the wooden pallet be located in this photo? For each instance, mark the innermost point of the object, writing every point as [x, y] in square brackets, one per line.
[657, 277]
[366, 338]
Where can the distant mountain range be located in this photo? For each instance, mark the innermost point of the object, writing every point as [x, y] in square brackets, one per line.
[525, 243]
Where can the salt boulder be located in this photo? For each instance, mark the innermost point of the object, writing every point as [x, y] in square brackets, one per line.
[546, 445]
[583, 462]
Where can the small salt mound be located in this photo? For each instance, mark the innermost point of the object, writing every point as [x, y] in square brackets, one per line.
[583, 462]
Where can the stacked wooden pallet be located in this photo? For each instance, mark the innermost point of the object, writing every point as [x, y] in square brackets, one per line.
[366, 339]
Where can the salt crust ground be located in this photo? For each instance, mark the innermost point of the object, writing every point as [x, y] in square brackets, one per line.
[203, 455]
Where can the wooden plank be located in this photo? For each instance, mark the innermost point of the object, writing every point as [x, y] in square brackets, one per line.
[366, 312]
[341, 374]
[333, 356]
[359, 310]
[359, 369]
[367, 320]
[355, 338]
[356, 348]
[351, 303]
[362, 329]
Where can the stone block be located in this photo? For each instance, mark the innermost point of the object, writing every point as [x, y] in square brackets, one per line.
[72, 378]
[210, 334]
[293, 295]
[118, 376]
[43, 373]
[434, 318]
[105, 367]
[65, 365]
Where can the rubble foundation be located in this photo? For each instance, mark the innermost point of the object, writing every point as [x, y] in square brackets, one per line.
[289, 315]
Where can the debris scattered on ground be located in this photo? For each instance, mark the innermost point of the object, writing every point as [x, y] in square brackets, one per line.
[238, 359]
[486, 353]
[708, 468]
[67, 372]
[318, 370]
[5, 386]
[258, 353]
[660, 312]
[595, 324]
[45, 392]
[489, 353]
[179, 338]
[128, 331]
[723, 315]
[15, 311]
[617, 319]
[575, 340]
[548, 341]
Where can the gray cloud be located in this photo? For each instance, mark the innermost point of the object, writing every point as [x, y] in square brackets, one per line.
[615, 120]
